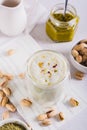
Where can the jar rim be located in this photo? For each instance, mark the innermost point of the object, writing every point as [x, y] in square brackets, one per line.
[54, 20]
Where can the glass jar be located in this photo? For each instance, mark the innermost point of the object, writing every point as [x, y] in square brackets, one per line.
[49, 72]
[60, 27]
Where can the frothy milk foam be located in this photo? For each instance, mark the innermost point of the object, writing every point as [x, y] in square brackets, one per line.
[47, 68]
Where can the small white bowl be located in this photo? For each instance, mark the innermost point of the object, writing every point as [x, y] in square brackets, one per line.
[13, 120]
[77, 65]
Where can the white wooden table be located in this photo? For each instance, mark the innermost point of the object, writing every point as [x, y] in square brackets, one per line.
[79, 122]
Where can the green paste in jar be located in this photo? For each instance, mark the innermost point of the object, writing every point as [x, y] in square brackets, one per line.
[64, 32]
[12, 126]
[64, 18]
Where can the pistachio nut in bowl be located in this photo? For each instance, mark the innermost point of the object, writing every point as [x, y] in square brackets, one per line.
[13, 124]
[49, 72]
[78, 56]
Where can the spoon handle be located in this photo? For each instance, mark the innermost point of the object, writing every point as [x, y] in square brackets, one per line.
[66, 2]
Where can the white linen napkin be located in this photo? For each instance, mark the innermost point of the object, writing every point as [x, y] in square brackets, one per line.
[34, 13]
[25, 46]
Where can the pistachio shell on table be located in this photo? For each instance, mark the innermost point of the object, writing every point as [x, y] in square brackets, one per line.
[8, 76]
[5, 115]
[51, 112]
[10, 52]
[2, 94]
[11, 107]
[46, 122]
[3, 82]
[73, 102]
[7, 91]
[61, 116]
[4, 101]
[42, 117]
[79, 75]
[26, 102]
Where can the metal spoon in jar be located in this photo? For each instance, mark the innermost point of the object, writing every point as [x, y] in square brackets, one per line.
[66, 3]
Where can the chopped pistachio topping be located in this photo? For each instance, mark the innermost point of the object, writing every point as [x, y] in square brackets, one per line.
[40, 64]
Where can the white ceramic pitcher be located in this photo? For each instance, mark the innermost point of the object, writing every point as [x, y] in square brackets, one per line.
[13, 17]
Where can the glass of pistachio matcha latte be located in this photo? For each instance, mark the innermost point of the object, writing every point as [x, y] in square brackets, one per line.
[49, 72]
